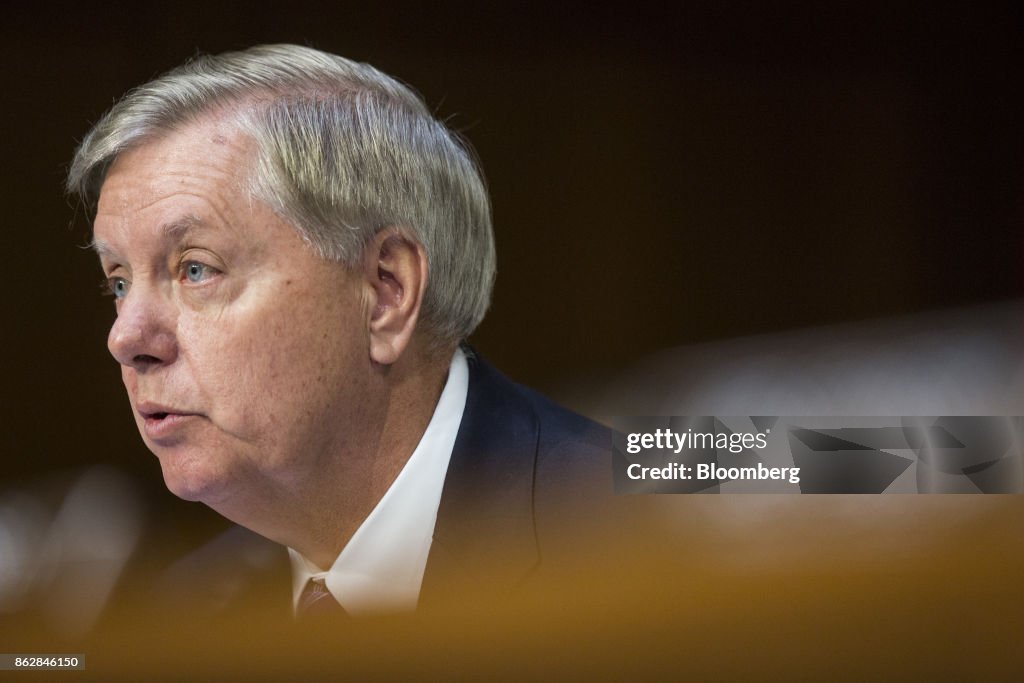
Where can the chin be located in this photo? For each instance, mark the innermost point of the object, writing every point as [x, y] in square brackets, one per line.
[192, 479]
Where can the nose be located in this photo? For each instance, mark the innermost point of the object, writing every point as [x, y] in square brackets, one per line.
[142, 337]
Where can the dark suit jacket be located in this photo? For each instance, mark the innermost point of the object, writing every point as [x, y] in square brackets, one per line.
[525, 475]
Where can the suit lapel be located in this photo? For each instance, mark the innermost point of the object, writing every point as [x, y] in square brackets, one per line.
[485, 523]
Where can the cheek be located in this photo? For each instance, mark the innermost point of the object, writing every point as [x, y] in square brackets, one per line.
[304, 356]
[267, 373]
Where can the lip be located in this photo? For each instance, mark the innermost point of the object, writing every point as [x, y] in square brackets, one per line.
[161, 422]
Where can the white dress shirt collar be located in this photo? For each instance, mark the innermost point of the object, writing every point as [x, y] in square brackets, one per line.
[380, 570]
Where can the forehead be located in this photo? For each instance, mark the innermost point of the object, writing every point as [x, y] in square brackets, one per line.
[192, 176]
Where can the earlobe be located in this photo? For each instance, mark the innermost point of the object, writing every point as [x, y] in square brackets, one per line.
[396, 267]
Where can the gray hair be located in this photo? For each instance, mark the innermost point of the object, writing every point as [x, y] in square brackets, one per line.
[343, 152]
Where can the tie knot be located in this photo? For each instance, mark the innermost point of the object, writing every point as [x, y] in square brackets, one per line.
[316, 599]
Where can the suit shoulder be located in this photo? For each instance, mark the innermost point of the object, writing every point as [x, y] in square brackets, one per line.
[562, 426]
[558, 426]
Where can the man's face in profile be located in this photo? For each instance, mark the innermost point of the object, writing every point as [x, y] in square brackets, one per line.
[243, 352]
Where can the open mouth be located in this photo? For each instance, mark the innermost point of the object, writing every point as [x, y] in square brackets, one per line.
[163, 424]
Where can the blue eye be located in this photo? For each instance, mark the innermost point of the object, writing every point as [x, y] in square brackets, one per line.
[117, 286]
[196, 272]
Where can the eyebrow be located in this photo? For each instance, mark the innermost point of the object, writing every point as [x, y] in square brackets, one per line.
[174, 230]
[177, 229]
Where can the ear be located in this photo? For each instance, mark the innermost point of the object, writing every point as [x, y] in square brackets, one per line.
[396, 268]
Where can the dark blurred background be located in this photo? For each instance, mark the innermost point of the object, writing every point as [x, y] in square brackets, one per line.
[661, 174]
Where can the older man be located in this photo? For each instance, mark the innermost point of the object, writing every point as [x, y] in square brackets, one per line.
[296, 249]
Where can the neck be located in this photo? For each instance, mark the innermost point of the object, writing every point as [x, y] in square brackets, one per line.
[317, 509]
